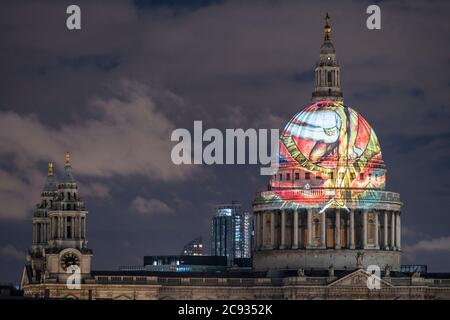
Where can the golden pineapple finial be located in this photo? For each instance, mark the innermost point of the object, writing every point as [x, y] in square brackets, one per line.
[50, 169]
[67, 158]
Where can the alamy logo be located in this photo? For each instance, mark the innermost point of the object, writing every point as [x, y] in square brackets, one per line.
[74, 280]
[374, 20]
[260, 148]
[73, 21]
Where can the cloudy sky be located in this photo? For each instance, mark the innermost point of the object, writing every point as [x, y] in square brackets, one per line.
[113, 92]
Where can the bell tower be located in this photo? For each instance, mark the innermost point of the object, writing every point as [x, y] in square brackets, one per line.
[59, 230]
[327, 72]
[41, 225]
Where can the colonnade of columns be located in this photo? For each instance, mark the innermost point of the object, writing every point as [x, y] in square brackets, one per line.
[60, 226]
[56, 227]
[41, 232]
[335, 228]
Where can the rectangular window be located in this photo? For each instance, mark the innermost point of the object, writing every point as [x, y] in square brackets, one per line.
[331, 175]
[297, 176]
[361, 176]
[329, 78]
[288, 176]
[281, 177]
[318, 178]
[307, 175]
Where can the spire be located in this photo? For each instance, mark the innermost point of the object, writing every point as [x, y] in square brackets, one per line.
[328, 72]
[68, 176]
[327, 28]
[50, 182]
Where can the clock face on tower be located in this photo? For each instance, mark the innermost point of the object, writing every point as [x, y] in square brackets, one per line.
[69, 259]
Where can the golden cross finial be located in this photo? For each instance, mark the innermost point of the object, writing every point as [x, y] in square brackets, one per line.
[327, 17]
[50, 169]
[67, 158]
[327, 28]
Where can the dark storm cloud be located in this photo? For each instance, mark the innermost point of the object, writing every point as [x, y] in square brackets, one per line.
[230, 64]
[103, 62]
[176, 5]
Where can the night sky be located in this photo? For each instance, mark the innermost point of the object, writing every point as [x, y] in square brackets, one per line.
[113, 92]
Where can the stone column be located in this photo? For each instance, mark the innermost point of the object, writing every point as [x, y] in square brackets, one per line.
[263, 230]
[255, 232]
[377, 227]
[295, 226]
[64, 227]
[283, 229]
[74, 227]
[324, 229]
[78, 227]
[352, 229]
[34, 233]
[309, 244]
[272, 229]
[61, 227]
[84, 228]
[364, 229]
[337, 230]
[258, 231]
[398, 230]
[385, 231]
[59, 220]
[393, 244]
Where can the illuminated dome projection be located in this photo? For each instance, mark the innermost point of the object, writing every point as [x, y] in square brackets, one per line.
[329, 156]
[327, 206]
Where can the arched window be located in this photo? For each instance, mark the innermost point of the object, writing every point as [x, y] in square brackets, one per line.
[68, 196]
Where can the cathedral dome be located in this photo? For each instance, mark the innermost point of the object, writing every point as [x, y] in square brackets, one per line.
[334, 144]
[327, 151]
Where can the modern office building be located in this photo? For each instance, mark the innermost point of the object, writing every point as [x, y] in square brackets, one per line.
[231, 232]
[193, 248]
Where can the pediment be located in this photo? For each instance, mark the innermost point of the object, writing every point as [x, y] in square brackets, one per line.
[357, 279]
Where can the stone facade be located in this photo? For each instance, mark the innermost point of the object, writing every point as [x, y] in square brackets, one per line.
[288, 286]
